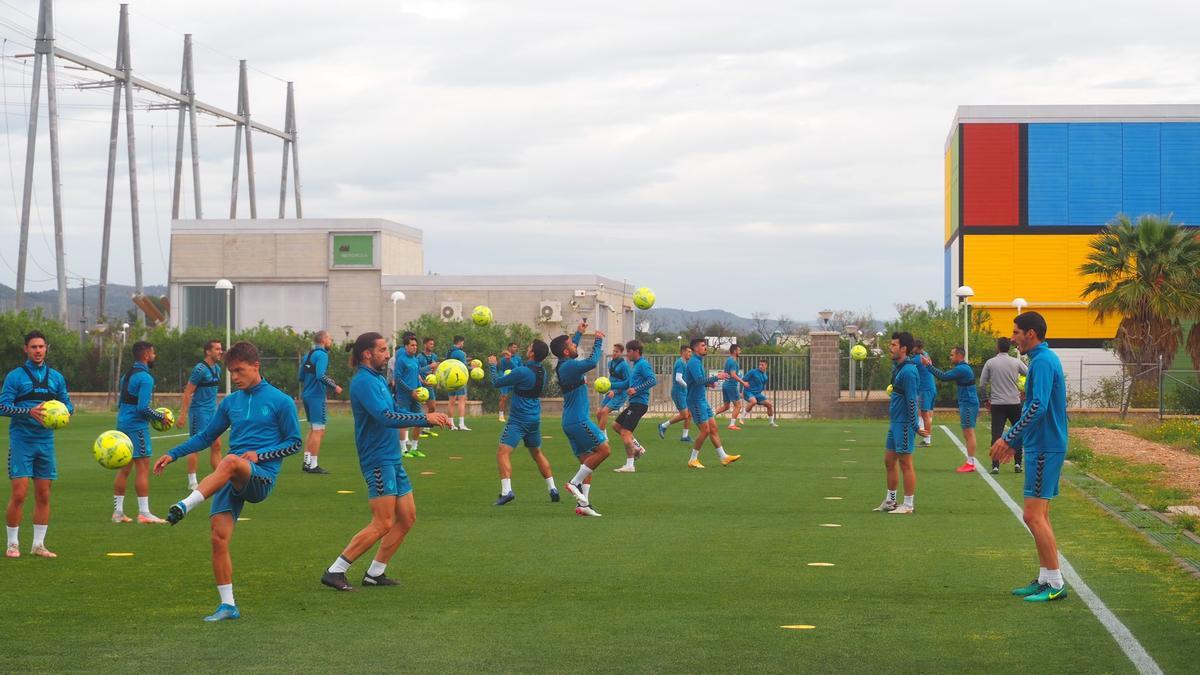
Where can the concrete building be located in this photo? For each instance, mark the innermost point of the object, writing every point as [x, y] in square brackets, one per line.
[340, 275]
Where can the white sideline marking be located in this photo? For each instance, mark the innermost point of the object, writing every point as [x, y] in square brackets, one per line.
[1125, 639]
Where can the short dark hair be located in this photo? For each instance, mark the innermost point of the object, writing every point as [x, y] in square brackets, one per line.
[905, 338]
[960, 351]
[1003, 345]
[917, 344]
[242, 352]
[458, 339]
[697, 341]
[514, 344]
[140, 348]
[683, 347]
[558, 344]
[540, 350]
[364, 342]
[35, 334]
[408, 335]
[208, 344]
[1032, 321]
[428, 339]
[734, 347]
[762, 360]
[633, 346]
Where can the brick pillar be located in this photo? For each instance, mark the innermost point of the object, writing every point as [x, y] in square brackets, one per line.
[824, 360]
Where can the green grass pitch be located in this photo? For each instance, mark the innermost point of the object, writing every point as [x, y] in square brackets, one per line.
[687, 571]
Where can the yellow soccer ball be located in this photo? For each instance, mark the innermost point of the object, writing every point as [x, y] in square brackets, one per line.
[1020, 383]
[55, 414]
[643, 298]
[603, 384]
[508, 371]
[477, 374]
[889, 390]
[481, 315]
[113, 449]
[422, 394]
[167, 421]
[476, 363]
[431, 380]
[858, 353]
[452, 375]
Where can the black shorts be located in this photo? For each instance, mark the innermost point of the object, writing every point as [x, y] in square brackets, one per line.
[631, 415]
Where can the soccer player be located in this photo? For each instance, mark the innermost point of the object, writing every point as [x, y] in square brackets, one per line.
[407, 379]
[508, 360]
[618, 376]
[698, 381]
[200, 402]
[458, 396]
[376, 417]
[314, 380]
[587, 443]
[679, 397]
[928, 392]
[31, 446]
[133, 419]
[427, 361]
[968, 400]
[526, 381]
[998, 382]
[754, 393]
[902, 424]
[641, 381]
[264, 429]
[730, 396]
[1042, 431]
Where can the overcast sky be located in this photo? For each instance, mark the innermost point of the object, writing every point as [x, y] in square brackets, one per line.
[752, 156]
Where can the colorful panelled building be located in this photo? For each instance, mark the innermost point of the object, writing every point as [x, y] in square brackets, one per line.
[1027, 187]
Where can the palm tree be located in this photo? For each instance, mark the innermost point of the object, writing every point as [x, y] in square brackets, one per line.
[1148, 274]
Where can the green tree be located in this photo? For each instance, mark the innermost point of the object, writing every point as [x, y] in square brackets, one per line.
[940, 329]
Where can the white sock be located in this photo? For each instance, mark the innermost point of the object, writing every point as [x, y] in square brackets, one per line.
[403, 445]
[307, 460]
[1053, 577]
[772, 418]
[891, 495]
[226, 592]
[340, 565]
[664, 425]
[12, 535]
[505, 486]
[144, 505]
[721, 453]
[39, 535]
[192, 479]
[1043, 575]
[695, 455]
[629, 462]
[971, 461]
[686, 434]
[118, 503]
[413, 445]
[908, 500]
[376, 569]
[312, 461]
[462, 421]
[582, 474]
[192, 500]
[550, 483]
[587, 490]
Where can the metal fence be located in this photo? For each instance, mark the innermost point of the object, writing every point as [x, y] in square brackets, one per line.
[787, 384]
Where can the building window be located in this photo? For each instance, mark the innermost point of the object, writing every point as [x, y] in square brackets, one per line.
[204, 307]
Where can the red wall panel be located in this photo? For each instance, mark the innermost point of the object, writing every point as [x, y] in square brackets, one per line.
[991, 175]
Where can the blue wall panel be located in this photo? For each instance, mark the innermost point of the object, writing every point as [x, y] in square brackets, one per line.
[1141, 173]
[1093, 173]
[1047, 174]
[1181, 172]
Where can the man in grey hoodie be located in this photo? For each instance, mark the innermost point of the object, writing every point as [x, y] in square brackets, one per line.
[1000, 393]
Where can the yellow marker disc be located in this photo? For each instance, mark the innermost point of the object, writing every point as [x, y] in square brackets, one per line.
[428, 473]
[799, 626]
[844, 449]
[851, 440]
[241, 519]
[818, 564]
[849, 461]
[544, 437]
[119, 555]
[454, 457]
[841, 478]
[829, 525]
[345, 492]
[833, 498]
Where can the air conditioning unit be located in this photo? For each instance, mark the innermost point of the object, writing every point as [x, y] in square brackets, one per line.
[549, 311]
[451, 311]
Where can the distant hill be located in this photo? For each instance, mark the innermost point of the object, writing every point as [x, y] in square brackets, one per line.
[669, 319]
[119, 300]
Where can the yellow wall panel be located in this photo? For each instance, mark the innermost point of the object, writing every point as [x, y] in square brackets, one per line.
[949, 229]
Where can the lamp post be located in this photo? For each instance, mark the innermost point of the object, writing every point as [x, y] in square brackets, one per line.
[397, 298]
[1020, 304]
[826, 315]
[227, 286]
[964, 293]
[851, 340]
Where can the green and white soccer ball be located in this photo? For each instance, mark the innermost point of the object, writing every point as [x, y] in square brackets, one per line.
[603, 384]
[431, 380]
[113, 449]
[643, 298]
[55, 415]
[422, 394]
[166, 422]
[481, 315]
[452, 374]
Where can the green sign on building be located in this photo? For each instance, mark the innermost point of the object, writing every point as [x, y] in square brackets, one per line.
[353, 250]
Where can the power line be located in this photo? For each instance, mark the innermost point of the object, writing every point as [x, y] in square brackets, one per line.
[204, 45]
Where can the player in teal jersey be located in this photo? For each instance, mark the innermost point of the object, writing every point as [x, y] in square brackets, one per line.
[755, 392]
[582, 434]
[406, 378]
[264, 429]
[524, 425]
[968, 399]
[314, 383]
[730, 396]
[927, 393]
[902, 425]
[679, 396]
[618, 377]
[31, 445]
[698, 381]
[458, 397]
[510, 358]
[200, 403]
[1042, 432]
[134, 413]
[377, 415]
[641, 382]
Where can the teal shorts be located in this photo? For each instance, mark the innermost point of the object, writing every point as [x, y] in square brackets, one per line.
[231, 500]
[387, 481]
[1042, 471]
